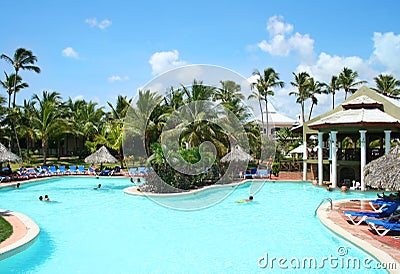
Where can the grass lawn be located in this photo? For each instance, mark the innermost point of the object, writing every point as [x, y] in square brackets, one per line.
[5, 229]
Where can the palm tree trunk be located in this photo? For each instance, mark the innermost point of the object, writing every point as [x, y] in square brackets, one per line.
[262, 114]
[333, 99]
[311, 109]
[266, 113]
[16, 138]
[13, 122]
[44, 148]
[302, 112]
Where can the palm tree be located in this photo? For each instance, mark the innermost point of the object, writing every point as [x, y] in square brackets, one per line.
[12, 82]
[25, 123]
[23, 59]
[265, 84]
[139, 122]
[333, 86]
[347, 80]
[121, 107]
[198, 92]
[47, 118]
[387, 85]
[302, 93]
[314, 88]
[231, 98]
[256, 94]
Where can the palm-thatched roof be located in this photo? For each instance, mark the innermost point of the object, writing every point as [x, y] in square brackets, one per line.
[7, 156]
[101, 156]
[237, 154]
[384, 172]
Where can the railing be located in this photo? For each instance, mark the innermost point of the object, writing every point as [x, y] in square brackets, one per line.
[323, 200]
[290, 165]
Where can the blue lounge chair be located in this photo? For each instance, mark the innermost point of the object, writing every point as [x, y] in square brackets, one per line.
[141, 170]
[133, 171]
[81, 170]
[62, 170]
[73, 169]
[382, 227]
[378, 204]
[92, 171]
[105, 172]
[53, 170]
[363, 215]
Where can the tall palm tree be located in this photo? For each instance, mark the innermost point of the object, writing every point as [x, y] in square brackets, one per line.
[333, 86]
[121, 107]
[47, 118]
[256, 94]
[314, 88]
[23, 59]
[387, 85]
[301, 82]
[265, 84]
[198, 91]
[230, 97]
[347, 80]
[12, 82]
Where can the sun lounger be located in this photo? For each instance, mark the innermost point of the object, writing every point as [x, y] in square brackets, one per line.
[81, 170]
[378, 204]
[92, 171]
[105, 172]
[363, 215]
[53, 170]
[133, 171]
[382, 227]
[73, 170]
[63, 170]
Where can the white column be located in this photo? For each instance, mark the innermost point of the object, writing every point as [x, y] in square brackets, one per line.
[334, 160]
[387, 141]
[320, 164]
[363, 157]
[305, 161]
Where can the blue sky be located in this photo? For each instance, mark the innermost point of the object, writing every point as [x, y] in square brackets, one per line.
[98, 49]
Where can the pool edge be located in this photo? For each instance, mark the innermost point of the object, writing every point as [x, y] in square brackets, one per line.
[384, 257]
[21, 244]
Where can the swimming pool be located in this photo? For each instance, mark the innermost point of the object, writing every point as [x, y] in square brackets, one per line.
[107, 231]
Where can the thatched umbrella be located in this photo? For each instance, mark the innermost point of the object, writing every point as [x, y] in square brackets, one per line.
[101, 156]
[384, 172]
[7, 156]
[237, 154]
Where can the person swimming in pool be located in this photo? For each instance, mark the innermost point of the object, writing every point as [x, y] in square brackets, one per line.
[41, 198]
[46, 198]
[250, 199]
[96, 188]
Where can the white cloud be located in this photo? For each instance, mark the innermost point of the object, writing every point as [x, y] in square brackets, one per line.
[387, 50]
[70, 53]
[328, 65]
[282, 43]
[276, 26]
[165, 60]
[114, 78]
[94, 23]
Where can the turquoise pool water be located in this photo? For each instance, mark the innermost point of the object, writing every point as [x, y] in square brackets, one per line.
[107, 231]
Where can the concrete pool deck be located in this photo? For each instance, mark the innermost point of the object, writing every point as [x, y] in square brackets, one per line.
[384, 248]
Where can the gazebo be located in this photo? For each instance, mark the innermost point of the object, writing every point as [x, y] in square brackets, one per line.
[101, 156]
[351, 135]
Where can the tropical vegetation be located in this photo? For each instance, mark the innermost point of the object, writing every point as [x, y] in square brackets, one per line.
[48, 124]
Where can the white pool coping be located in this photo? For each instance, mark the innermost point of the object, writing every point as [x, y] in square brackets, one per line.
[322, 214]
[32, 232]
